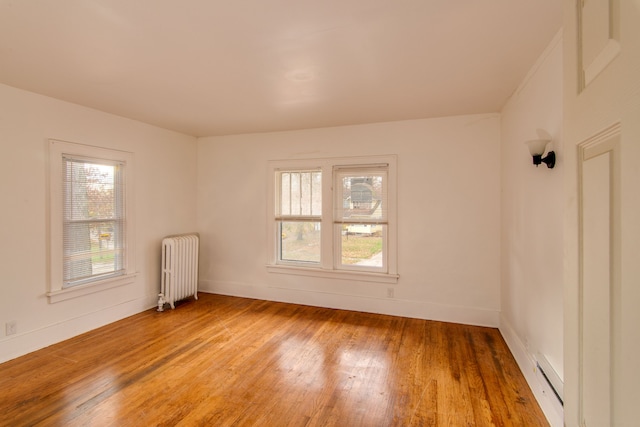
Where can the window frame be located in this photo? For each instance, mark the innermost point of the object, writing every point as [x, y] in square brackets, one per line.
[330, 263]
[58, 150]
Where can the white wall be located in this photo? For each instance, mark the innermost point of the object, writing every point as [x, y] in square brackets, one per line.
[532, 223]
[165, 185]
[448, 216]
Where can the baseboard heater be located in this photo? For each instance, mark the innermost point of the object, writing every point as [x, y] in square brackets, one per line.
[550, 377]
[179, 270]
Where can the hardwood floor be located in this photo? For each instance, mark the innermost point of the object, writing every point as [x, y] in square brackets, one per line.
[226, 361]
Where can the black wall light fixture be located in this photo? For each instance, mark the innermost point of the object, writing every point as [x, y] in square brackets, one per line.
[537, 149]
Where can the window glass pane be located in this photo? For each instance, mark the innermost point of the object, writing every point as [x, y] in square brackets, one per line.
[295, 194]
[363, 196]
[300, 193]
[90, 249]
[299, 241]
[90, 191]
[305, 193]
[362, 244]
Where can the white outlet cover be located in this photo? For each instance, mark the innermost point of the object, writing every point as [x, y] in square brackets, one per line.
[11, 328]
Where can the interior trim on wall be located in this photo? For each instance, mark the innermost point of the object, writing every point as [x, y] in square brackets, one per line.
[341, 301]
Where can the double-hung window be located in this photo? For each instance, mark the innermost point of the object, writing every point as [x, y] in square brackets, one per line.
[334, 218]
[361, 218]
[299, 215]
[91, 219]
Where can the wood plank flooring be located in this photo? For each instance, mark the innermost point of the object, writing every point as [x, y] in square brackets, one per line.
[226, 361]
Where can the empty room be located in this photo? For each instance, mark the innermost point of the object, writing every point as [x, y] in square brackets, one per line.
[341, 213]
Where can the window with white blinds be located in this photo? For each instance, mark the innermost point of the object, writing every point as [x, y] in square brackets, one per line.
[92, 225]
[94, 219]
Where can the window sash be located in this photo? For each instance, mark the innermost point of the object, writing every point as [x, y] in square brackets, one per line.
[299, 195]
[368, 204]
[377, 262]
[307, 253]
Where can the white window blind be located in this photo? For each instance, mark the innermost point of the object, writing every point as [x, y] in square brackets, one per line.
[93, 219]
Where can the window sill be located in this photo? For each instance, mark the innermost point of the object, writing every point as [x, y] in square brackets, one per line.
[360, 276]
[89, 288]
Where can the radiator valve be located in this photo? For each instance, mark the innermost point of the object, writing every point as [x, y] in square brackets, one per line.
[161, 302]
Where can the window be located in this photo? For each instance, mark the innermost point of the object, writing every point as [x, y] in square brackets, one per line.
[334, 218]
[91, 219]
[361, 217]
[299, 210]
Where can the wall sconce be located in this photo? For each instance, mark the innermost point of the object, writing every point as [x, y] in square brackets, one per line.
[537, 147]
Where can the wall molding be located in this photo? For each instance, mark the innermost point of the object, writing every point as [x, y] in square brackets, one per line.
[26, 342]
[388, 306]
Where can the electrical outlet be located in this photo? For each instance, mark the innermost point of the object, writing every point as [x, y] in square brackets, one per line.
[11, 327]
[389, 292]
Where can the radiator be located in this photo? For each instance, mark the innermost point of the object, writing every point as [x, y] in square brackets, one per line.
[179, 271]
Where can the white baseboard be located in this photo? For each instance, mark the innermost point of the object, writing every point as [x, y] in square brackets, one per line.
[390, 306]
[29, 341]
[543, 393]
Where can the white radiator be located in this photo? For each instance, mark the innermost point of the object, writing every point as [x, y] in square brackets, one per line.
[179, 271]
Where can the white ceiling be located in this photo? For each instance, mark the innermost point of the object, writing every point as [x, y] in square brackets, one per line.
[215, 67]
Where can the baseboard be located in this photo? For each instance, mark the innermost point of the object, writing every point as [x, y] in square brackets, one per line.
[26, 342]
[390, 306]
[543, 393]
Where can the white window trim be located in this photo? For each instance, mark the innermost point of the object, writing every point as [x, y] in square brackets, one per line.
[360, 276]
[57, 149]
[328, 267]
